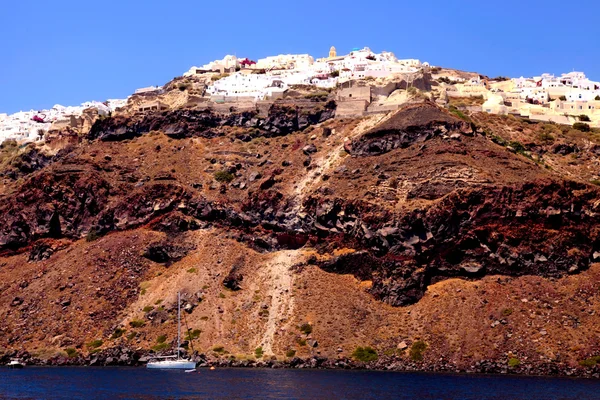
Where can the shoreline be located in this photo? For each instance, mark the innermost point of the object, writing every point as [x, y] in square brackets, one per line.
[131, 358]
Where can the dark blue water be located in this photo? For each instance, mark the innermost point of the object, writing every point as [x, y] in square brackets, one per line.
[140, 383]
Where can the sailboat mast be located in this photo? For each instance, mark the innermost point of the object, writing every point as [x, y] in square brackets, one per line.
[178, 322]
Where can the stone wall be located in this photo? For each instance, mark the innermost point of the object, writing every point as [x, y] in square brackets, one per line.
[351, 108]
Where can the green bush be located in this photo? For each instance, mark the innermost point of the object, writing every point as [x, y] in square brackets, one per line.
[161, 339]
[317, 96]
[514, 362]
[258, 352]
[365, 354]
[306, 328]
[147, 309]
[584, 118]
[580, 126]
[193, 334]
[290, 353]
[94, 344]
[590, 362]
[219, 349]
[137, 323]
[223, 176]
[92, 235]
[417, 349]
[192, 270]
[507, 311]
[546, 137]
[117, 333]
[458, 113]
[160, 347]
[71, 352]
[131, 336]
[517, 146]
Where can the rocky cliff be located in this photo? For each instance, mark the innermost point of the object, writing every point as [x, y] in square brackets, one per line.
[433, 239]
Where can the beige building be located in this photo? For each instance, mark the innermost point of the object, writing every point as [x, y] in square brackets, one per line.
[152, 106]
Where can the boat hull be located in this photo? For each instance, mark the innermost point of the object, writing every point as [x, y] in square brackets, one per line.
[171, 364]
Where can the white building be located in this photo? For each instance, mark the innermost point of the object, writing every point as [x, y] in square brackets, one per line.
[228, 63]
[285, 61]
[239, 84]
[26, 126]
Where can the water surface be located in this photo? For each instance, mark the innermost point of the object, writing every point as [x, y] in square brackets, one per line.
[140, 383]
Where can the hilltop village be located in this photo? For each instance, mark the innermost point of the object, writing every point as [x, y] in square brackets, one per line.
[361, 82]
[353, 210]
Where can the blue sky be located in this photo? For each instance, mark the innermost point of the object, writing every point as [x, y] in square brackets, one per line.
[68, 51]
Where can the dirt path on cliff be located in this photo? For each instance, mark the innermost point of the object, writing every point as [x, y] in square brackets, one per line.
[332, 159]
[279, 280]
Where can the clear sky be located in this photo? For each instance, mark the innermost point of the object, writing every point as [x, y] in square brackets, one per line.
[68, 52]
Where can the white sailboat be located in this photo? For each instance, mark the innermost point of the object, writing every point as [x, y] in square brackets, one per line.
[15, 364]
[173, 362]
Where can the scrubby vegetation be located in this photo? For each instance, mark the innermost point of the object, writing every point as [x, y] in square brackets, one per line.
[219, 349]
[223, 176]
[92, 235]
[417, 349]
[161, 339]
[160, 346]
[306, 328]
[590, 362]
[317, 96]
[137, 323]
[580, 126]
[258, 352]
[290, 353]
[94, 344]
[514, 362]
[193, 334]
[458, 113]
[117, 333]
[71, 352]
[365, 354]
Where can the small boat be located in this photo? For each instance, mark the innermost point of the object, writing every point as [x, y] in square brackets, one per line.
[15, 364]
[173, 362]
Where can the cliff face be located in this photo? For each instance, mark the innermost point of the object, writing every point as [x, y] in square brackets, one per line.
[413, 226]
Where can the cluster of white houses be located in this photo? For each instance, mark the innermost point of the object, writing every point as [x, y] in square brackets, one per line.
[561, 99]
[27, 126]
[271, 76]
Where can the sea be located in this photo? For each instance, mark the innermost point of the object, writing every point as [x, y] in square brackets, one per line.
[235, 383]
